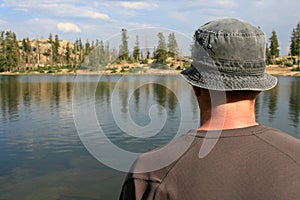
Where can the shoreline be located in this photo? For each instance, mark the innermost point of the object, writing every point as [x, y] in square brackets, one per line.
[275, 70]
[85, 72]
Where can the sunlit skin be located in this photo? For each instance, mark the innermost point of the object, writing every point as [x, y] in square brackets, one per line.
[230, 110]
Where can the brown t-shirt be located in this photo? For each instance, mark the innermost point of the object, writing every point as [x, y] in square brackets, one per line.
[249, 163]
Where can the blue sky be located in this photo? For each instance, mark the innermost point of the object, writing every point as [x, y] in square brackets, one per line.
[72, 19]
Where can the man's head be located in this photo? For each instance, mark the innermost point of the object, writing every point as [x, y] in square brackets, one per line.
[229, 55]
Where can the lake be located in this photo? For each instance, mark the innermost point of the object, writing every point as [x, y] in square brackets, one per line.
[72, 137]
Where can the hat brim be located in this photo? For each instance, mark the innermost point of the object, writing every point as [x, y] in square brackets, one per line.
[215, 80]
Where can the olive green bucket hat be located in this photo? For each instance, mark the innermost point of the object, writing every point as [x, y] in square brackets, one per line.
[229, 54]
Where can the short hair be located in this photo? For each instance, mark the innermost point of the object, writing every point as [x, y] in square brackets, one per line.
[238, 95]
[231, 96]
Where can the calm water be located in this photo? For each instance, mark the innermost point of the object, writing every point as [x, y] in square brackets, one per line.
[42, 156]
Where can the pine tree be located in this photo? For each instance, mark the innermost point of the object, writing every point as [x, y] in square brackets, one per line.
[26, 51]
[160, 53]
[172, 46]
[88, 47]
[50, 39]
[91, 62]
[3, 62]
[124, 52]
[147, 52]
[68, 53]
[136, 50]
[102, 54]
[78, 52]
[55, 49]
[268, 56]
[38, 52]
[274, 46]
[295, 41]
[12, 52]
[29, 52]
[113, 55]
[50, 51]
[107, 53]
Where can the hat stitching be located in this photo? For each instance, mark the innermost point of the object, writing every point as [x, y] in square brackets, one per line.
[230, 34]
[233, 66]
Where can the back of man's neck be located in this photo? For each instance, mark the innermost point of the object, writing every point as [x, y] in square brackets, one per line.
[229, 116]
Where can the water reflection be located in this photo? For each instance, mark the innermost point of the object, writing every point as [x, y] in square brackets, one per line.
[136, 95]
[41, 155]
[294, 103]
[136, 99]
[9, 100]
[270, 101]
[279, 107]
[123, 94]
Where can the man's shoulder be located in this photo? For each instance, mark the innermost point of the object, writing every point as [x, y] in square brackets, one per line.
[155, 164]
[282, 142]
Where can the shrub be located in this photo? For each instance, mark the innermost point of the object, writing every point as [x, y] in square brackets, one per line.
[136, 69]
[144, 61]
[296, 69]
[129, 60]
[288, 64]
[158, 66]
[186, 65]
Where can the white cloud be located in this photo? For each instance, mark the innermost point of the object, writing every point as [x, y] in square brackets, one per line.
[197, 6]
[75, 11]
[94, 15]
[56, 8]
[135, 25]
[269, 4]
[66, 10]
[227, 4]
[68, 27]
[138, 5]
